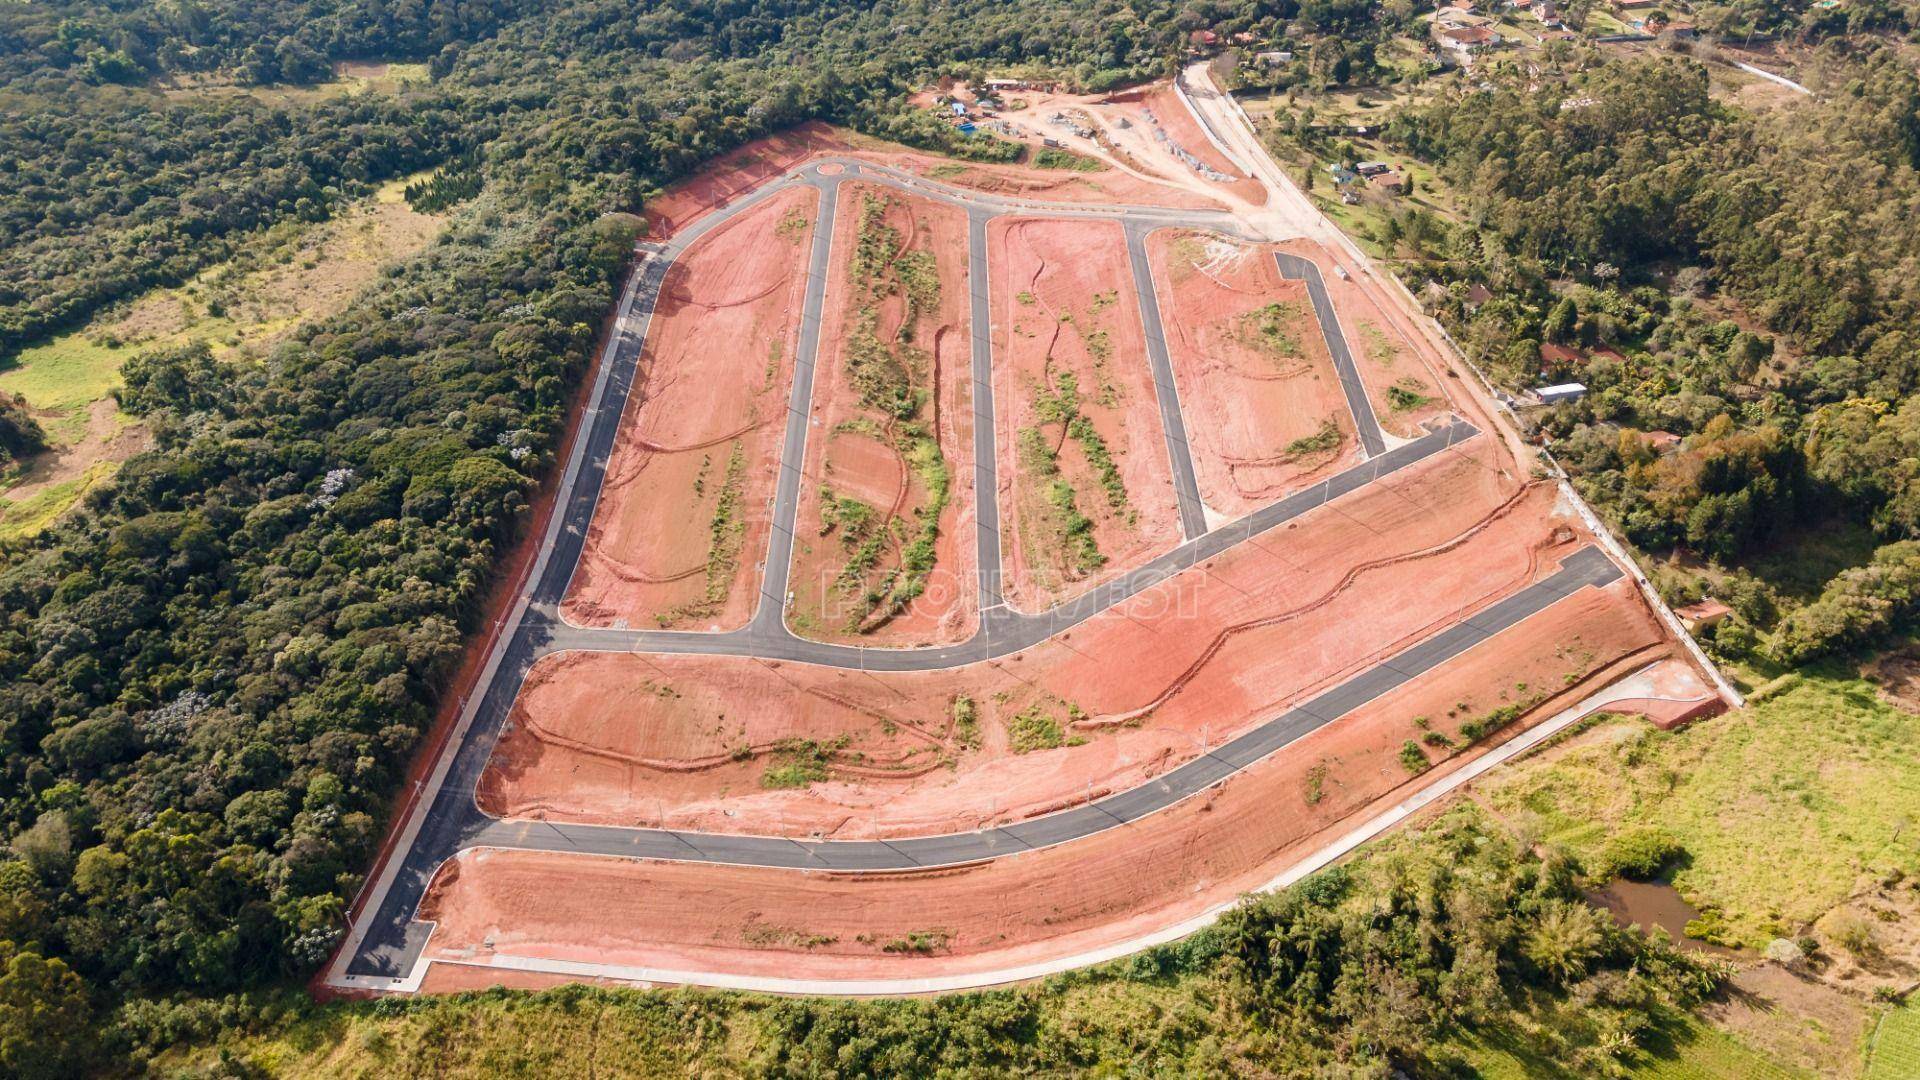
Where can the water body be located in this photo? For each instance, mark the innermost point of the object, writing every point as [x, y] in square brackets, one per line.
[1647, 904]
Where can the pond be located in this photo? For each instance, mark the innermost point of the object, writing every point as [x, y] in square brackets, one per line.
[1648, 904]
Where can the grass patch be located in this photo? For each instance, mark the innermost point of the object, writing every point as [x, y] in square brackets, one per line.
[66, 375]
[919, 943]
[1072, 531]
[966, 722]
[1053, 158]
[1324, 441]
[793, 225]
[1894, 1051]
[1273, 330]
[1414, 759]
[726, 535]
[1316, 784]
[28, 516]
[799, 762]
[1380, 347]
[1406, 395]
[1034, 729]
[1063, 407]
[770, 936]
[1781, 808]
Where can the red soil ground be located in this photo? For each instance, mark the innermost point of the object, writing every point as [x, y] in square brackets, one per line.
[1245, 402]
[708, 404]
[1106, 187]
[690, 742]
[1107, 888]
[1387, 354]
[1172, 117]
[742, 170]
[732, 175]
[1064, 304]
[869, 462]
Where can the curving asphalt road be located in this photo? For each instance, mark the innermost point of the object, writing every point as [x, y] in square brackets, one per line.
[385, 944]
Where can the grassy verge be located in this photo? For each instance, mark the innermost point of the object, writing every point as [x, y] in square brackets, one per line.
[1395, 960]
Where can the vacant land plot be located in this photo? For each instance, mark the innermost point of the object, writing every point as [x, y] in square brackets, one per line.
[1082, 456]
[682, 522]
[880, 553]
[1263, 405]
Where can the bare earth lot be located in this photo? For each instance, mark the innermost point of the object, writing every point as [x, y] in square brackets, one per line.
[1261, 395]
[1072, 386]
[891, 461]
[682, 521]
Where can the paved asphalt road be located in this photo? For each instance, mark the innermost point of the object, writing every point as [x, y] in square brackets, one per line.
[1295, 268]
[1186, 488]
[390, 941]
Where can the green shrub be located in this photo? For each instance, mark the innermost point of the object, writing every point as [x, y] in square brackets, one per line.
[1641, 854]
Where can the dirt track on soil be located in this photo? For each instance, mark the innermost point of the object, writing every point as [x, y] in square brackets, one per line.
[861, 453]
[1160, 107]
[1248, 398]
[1109, 887]
[682, 523]
[1064, 307]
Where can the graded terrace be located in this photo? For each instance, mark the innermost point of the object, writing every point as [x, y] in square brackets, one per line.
[965, 572]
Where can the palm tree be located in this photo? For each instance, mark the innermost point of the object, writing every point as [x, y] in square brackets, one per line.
[1565, 940]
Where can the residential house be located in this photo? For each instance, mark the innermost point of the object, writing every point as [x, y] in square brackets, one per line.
[1461, 44]
[1662, 442]
[1554, 395]
[1702, 614]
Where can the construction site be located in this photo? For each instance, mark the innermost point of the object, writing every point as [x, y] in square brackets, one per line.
[966, 572]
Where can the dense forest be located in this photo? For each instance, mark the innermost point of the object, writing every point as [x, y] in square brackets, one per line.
[1743, 281]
